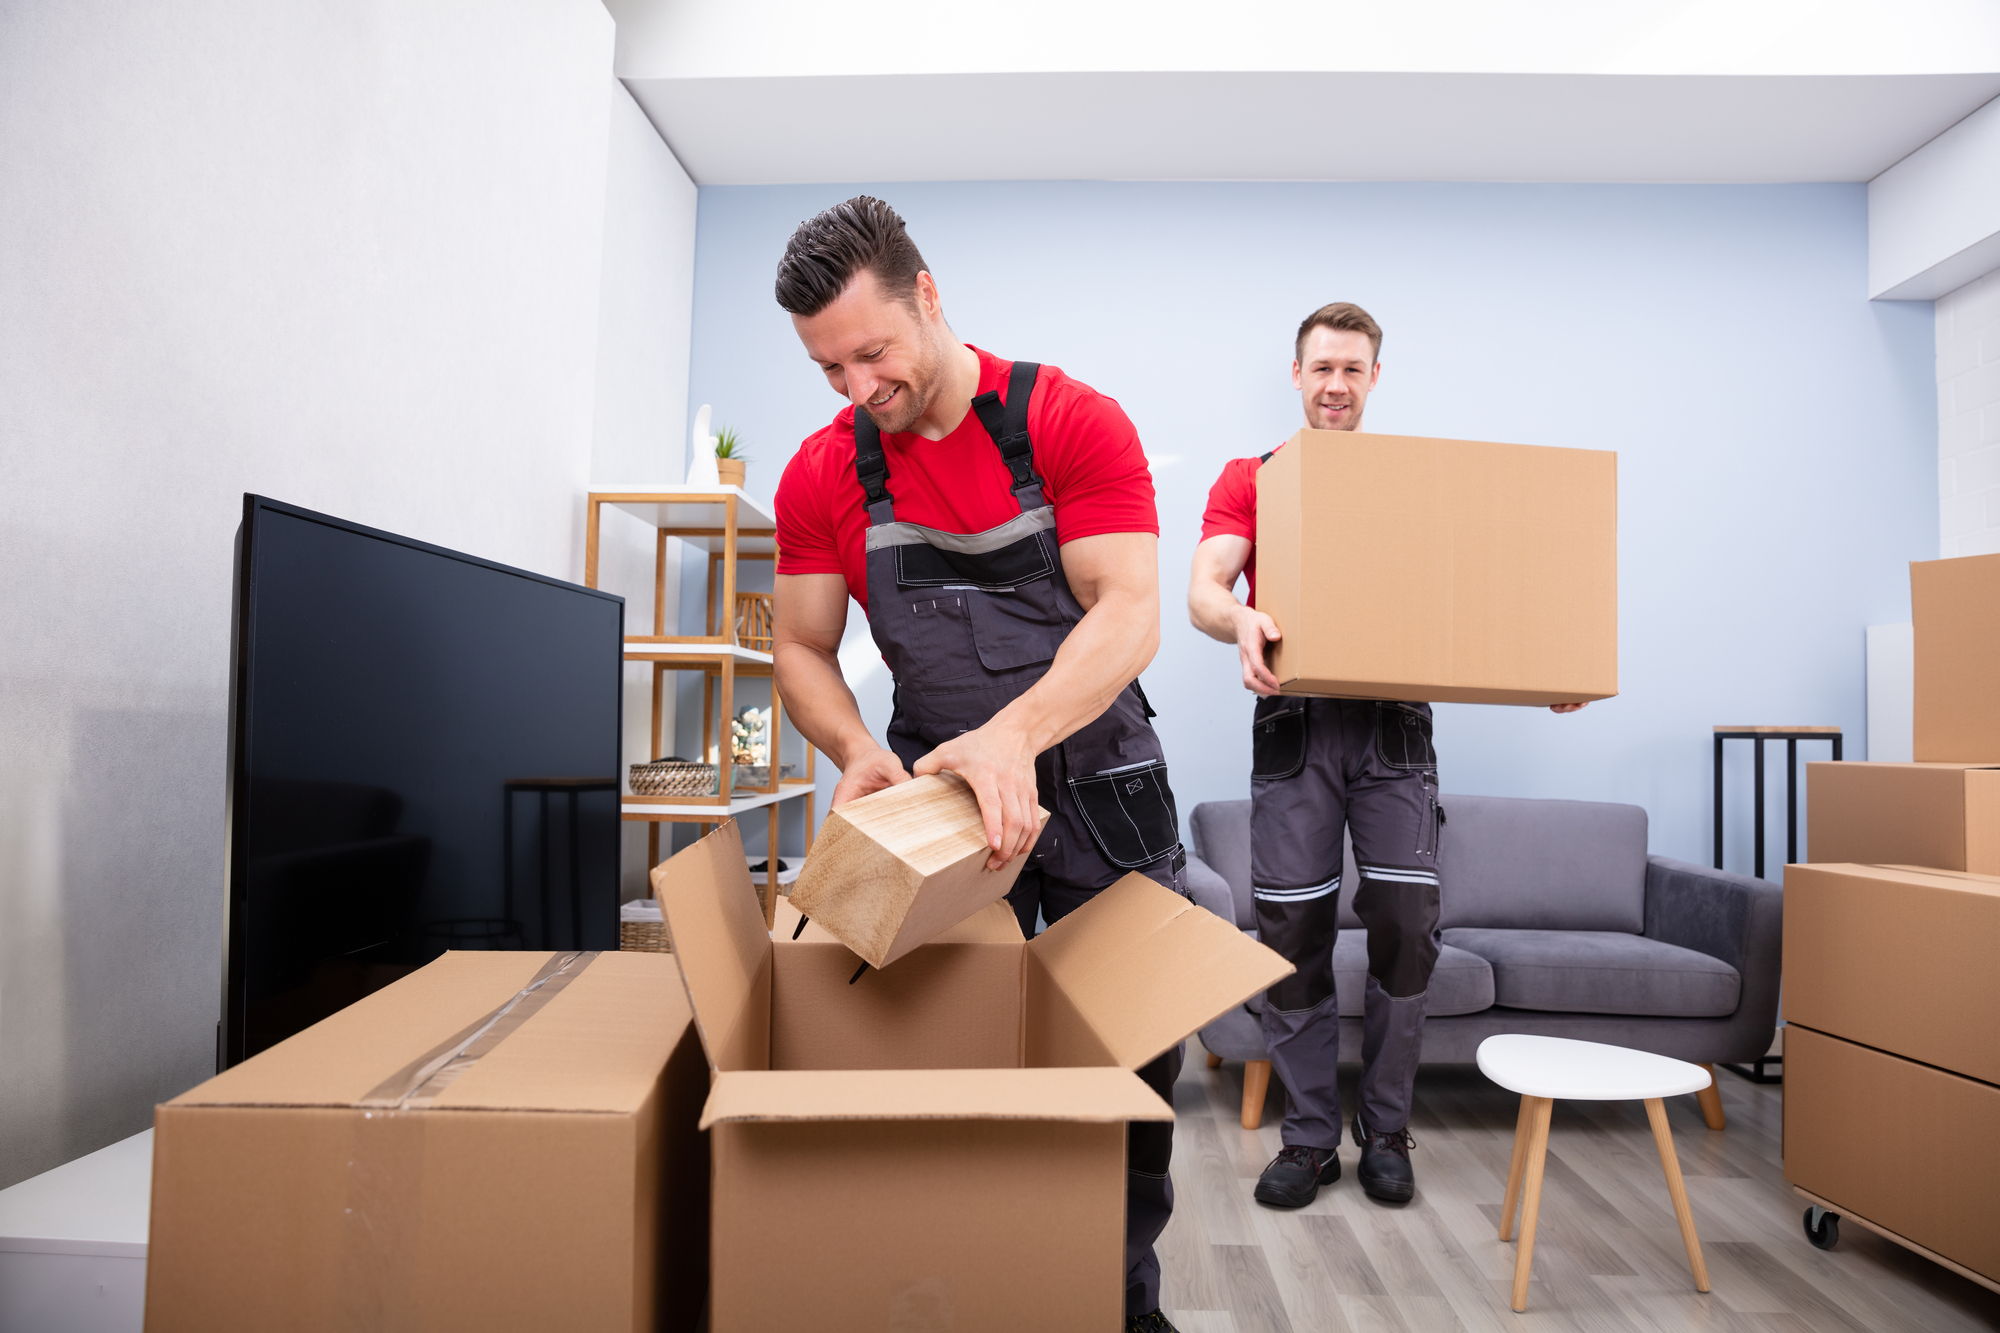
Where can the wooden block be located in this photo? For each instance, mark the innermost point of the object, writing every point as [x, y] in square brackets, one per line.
[895, 869]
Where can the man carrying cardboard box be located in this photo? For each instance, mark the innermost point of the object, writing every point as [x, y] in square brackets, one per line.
[995, 520]
[1316, 765]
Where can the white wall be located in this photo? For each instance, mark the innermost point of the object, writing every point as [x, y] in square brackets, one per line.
[347, 256]
[1934, 217]
[1968, 376]
[642, 413]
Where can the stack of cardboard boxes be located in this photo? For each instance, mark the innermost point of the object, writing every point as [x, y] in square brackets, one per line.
[1892, 936]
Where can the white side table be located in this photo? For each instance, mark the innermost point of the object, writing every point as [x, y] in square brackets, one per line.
[1542, 1069]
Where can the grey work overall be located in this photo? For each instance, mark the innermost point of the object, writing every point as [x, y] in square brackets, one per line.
[1318, 764]
[968, 622]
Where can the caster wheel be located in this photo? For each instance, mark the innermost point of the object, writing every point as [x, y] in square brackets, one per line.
[1822, 1227]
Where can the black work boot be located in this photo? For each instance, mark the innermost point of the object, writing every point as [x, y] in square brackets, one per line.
[1293, 1178]
[1385, 1171]
[1150, 1322]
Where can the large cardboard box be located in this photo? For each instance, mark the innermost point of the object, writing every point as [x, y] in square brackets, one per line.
[499, 1141]
[940, 1144]
[1443, 571]
[1955, 605]
[897, 867]
[1896, 958]
[1945, 816]
[1910, 1148]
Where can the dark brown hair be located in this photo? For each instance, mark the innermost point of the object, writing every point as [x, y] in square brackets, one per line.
[1342, 317]
[827, 251]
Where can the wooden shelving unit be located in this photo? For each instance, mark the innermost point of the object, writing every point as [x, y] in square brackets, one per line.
[729, 527]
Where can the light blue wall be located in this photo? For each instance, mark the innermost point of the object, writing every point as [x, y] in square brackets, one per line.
[1776, 431]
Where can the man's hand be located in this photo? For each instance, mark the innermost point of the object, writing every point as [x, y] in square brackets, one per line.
[867, 773]
[1567, 708]
[998, 762]
[1254, 630]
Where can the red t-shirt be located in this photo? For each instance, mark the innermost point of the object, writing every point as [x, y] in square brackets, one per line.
[1085, 449]
[1232, 511]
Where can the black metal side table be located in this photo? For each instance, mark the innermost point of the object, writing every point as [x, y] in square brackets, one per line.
[1756, 1070]
[1791, 736]
[544, 787]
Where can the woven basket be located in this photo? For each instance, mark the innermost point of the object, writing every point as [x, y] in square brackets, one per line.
[674, 777]
[644, 936]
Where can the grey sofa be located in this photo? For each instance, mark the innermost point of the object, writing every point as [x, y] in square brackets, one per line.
[1555, 921]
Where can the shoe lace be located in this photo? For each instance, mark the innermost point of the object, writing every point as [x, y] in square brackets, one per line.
[1298, 1156]
[1399, 1141]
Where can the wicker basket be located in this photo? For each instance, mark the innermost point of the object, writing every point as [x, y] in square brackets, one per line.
[674, 777]
[644, 936]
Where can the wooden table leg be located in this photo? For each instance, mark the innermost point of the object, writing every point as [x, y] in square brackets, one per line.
[1531, 1203]
[1256, 1082]
[1523, 1129]
[1656, 1112]
[771, 865]
[1710, 1098]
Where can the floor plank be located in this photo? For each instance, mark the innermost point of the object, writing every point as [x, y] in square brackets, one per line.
[1608, 1256]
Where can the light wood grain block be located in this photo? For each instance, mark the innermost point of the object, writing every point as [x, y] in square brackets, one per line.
[899, 867]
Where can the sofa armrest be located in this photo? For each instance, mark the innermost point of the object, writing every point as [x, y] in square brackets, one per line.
[1210, 890]
[1733, 917]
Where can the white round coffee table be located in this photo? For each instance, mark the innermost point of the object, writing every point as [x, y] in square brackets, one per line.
[1543, 1069]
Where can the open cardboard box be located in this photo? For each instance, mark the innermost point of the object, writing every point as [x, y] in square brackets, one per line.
[940, 1144]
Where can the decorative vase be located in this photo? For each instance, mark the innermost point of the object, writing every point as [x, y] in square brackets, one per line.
[730, 471]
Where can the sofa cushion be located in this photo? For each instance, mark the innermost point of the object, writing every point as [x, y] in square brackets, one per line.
[1220, 832]
[1543, 865]
[1601, 972]
[1461, 984]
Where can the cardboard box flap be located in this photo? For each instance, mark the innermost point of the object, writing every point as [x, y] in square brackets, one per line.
[342, 1059]
[1100, 1094]
[1964, 880]
[994, 923]
[716, 928]
[1145, 967]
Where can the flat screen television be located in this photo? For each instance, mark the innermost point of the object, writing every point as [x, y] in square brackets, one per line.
[424, 755]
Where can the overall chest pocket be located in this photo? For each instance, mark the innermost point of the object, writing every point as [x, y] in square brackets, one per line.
[1403, 737]
[1022, 628]
[920, 565]
[1277, 739]
[938, 647]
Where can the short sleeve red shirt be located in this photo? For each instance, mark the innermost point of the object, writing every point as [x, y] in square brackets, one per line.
[1085, 450]
[1232, 511]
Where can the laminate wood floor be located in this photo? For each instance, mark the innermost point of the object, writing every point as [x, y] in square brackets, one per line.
[1607, 1253]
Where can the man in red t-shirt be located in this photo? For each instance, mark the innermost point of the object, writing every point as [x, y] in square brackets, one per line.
[1319, 766]
[995, 521]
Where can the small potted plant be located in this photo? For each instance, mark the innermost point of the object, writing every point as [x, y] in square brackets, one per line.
[730, 460]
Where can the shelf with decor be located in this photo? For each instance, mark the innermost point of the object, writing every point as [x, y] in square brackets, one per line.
[729, 527]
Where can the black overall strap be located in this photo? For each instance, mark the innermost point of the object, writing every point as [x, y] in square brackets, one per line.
[871, 468]
[1265, 458]
[1008, 425]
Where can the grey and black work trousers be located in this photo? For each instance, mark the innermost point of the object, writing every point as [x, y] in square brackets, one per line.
[1149, 1145]
[1320, 766]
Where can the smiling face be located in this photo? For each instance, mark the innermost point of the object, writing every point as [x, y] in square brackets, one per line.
[882, 354]
[1334, 375]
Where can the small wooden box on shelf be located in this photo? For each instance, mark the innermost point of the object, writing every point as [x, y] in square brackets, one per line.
[729, 526]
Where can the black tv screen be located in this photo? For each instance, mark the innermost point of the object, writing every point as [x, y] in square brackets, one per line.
[424, 756]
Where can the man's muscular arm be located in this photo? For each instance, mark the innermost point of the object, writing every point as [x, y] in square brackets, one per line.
[1212, 606]
[810, 615]
[1116, 579]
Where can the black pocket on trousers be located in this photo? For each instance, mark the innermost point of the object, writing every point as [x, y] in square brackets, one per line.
[1403, 737]
[1130, 813]
[1277, 739]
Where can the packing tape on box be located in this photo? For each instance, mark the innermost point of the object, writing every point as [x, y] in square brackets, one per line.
[383, 1219]
[417, 1084]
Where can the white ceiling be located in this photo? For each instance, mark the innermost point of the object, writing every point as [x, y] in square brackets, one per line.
[771, 91]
